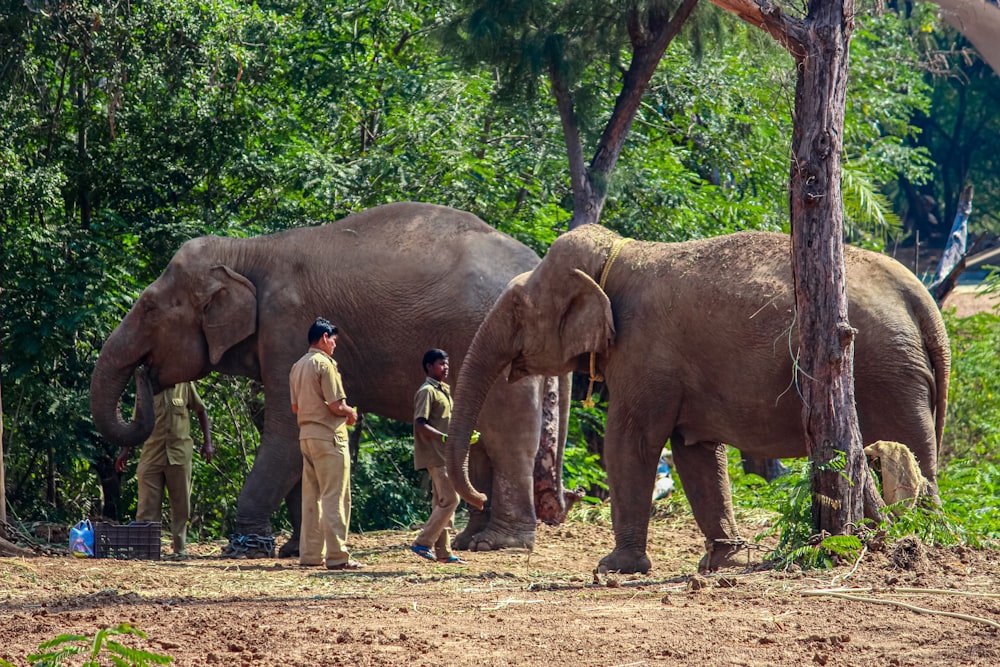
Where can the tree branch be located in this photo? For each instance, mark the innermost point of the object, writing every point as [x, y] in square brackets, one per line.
[790, 32]
[574, 146]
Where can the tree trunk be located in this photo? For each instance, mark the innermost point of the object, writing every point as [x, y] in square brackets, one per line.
[552, 501]
[3, 476]
[843, 491]
[826, 363]
[650, 40]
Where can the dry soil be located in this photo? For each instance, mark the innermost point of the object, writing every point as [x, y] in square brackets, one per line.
[547, 607]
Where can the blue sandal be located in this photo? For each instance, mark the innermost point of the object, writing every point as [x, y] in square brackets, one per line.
[422, 551]
[453, 560]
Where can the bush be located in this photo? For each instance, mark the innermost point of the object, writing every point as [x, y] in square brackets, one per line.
[973, 425]
[386, 492]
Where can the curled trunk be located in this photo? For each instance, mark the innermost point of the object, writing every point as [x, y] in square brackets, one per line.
[489, 353]
[106, 388]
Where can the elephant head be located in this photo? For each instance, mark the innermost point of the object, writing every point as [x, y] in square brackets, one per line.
[531, 330]
[179, 327]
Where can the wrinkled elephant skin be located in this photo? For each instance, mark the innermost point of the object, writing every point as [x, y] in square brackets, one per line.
[397, 280]
[696, 343]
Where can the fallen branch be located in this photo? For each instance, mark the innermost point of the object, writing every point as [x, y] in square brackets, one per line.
[918, 591]
[893, 603]
[10, 549]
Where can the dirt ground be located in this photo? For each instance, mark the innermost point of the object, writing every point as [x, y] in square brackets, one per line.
[546, 607]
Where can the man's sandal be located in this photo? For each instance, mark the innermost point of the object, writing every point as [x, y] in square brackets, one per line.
[422, 551]
[453, 560]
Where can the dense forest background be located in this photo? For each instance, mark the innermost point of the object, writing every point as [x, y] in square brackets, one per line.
[128, 128]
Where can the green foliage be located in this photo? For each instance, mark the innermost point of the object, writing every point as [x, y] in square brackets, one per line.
[582, 467]
[823, 553]
[58, 651]
[969, 489]
[582, 470]
[968, 513]
[386, 491]
[960, 129]
[788, 497]
[972, 429]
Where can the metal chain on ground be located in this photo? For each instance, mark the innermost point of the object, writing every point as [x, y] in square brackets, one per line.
[252, 543]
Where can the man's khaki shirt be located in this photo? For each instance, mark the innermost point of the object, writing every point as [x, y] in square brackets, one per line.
[171, 440]
[433, 403]
[314, 382]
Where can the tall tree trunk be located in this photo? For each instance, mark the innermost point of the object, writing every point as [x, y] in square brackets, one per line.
[826, 337]
[3, 476]
[552, 501]
[820, 44]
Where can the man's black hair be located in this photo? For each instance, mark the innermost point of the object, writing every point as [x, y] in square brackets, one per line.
[431, 356]
[319, 327]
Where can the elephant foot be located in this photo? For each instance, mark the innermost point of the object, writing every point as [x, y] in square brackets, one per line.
[249, 546]
[626, 561]
[289, 549]
[493, 540]
[723, 553]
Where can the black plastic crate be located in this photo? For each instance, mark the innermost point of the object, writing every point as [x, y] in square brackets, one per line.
[134, 541]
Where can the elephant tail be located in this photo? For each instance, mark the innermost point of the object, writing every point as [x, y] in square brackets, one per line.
[938, 350]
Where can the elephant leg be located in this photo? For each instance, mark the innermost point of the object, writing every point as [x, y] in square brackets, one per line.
[889, 413]
[704, 475]
[276, 470]
[293, 501]
[510, 422]
[630, 458]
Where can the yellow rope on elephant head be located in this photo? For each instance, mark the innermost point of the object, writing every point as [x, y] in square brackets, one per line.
[588, 402]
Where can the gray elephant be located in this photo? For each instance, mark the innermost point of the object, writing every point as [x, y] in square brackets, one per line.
[696, 342]
[397, 280]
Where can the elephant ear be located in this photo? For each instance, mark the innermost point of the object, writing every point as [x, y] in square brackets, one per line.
[230, 311]
[586, 324]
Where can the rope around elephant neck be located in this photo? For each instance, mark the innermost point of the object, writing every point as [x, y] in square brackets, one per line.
[588, 402]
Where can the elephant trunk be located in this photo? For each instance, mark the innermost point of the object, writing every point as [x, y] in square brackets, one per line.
[106, 388]
[490, 351]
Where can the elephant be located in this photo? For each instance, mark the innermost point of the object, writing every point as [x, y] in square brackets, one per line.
[696, 342]
[397, 280]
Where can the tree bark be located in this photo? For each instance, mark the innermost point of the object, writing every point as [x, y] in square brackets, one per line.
[3, 475]
[826, 361]
[590, 184]
[820, 43]
[551, 501]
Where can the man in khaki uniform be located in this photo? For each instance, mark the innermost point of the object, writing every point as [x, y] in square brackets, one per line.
[432, 407]
[165, 460]
[320, 405]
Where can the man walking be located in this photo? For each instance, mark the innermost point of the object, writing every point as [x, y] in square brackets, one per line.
[432, 407]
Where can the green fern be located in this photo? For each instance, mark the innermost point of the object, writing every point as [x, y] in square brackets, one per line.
[67, 645]
[824, 553]
[866, 210]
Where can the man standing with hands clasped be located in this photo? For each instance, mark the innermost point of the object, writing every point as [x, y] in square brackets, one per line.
[320, 405]
[431, 415]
